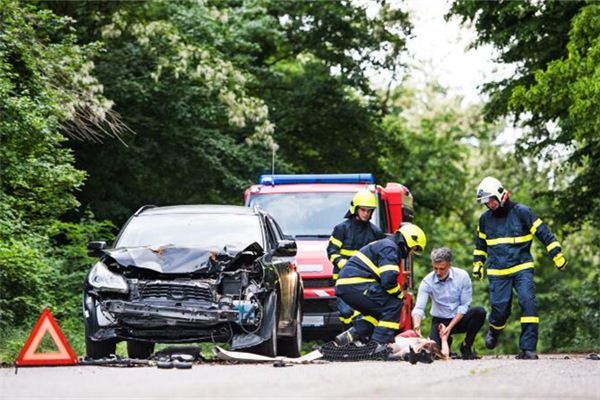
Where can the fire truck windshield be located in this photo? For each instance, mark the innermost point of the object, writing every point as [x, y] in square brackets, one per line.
[307, 215]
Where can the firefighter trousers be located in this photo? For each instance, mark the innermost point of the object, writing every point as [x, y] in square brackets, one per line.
[380, 310]
[347, 315]
[501, 292]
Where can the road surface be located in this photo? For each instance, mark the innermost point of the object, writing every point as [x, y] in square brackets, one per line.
[551, 377]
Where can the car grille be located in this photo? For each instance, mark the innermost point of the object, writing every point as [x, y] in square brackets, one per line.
[318, 283]
[176, 291]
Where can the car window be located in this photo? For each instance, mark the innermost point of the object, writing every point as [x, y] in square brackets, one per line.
[278, 230]
[272, 235]
[218, 231]
[307, 214]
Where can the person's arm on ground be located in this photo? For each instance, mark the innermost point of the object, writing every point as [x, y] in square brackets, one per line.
[444, 337]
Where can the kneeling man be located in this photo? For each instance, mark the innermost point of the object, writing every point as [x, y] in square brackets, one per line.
[451, 292]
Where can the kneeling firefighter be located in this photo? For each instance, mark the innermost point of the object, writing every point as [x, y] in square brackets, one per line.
[347, 237]
[369, 283]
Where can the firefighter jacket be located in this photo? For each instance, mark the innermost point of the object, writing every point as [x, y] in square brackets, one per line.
[347, 238]
[376, 262]
[504, 239]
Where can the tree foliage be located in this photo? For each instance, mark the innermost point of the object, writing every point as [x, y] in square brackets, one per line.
[567, 93]
[554, 46]
[45, 79]
[212, 88]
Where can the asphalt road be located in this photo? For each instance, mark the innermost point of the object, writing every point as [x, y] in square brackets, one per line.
[551, 377]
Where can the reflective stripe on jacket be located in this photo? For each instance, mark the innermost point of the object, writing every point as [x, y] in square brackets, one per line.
[375, 262]
[347, 238]
[504, 239]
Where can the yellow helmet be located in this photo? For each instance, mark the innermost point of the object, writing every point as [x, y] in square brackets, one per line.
[364, 199]
[414, 237]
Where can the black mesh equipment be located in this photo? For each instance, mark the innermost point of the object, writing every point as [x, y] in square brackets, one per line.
[352, 352]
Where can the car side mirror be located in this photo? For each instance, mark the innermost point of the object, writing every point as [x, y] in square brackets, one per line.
[286, 248]
[96, 249]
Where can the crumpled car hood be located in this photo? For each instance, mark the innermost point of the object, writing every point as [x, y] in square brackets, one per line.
[177, 260]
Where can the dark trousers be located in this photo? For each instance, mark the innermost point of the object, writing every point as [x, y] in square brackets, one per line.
[501, 292]
[345, 313]
[380, 310]
[470, 324]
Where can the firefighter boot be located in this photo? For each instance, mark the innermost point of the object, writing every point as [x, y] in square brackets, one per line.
[491, 339]
[346, 337]
[527, 355]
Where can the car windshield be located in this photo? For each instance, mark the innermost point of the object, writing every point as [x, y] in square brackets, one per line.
[210, 231]
[307, 214]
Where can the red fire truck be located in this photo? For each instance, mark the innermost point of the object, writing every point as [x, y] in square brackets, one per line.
[307, 207]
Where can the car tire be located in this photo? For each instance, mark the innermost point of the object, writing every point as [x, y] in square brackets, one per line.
[139, 350]
[96, 348]
[269, 347]
[99, 349]
[292, 346]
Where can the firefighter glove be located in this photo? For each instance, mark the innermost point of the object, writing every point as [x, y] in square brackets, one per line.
[478, 270]
[560, 261]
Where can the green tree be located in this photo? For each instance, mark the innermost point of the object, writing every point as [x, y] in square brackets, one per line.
[305, 61]
[553, 95]
[46, 89]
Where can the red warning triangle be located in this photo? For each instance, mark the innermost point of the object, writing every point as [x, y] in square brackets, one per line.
[46, 324]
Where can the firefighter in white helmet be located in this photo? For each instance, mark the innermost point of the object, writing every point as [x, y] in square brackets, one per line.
[503, 253]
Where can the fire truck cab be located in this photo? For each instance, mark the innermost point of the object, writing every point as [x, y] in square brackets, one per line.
[308, 207]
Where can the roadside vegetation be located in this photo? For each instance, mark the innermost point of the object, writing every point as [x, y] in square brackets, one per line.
[106, 106]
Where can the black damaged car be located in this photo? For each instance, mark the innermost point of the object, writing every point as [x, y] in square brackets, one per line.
[194, 274]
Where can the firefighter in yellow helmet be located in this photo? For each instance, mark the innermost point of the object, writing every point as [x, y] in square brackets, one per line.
[353, 233]
[369, 283]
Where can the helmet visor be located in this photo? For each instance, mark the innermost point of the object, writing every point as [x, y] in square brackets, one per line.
[484, 197]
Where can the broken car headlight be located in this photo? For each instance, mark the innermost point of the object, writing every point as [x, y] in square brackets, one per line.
[103, 279]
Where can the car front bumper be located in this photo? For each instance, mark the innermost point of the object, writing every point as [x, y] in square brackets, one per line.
[144, 311]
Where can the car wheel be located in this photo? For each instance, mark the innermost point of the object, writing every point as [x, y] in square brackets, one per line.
[99, 349]
[96, 348]
[269, 347]
[292, 346]
[139, 350]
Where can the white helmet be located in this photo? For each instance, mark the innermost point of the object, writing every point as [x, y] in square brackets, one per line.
[491, 187]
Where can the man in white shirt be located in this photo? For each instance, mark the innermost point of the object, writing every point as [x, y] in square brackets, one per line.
[451, 292]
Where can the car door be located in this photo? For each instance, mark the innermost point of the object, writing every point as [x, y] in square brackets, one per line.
[287, 281]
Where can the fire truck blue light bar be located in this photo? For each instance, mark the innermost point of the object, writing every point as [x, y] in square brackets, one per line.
[316, 178]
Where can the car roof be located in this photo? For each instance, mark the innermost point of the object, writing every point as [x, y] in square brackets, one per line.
[197, 209]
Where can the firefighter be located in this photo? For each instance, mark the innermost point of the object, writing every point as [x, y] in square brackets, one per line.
[503, 246]
[369, 283]
[349, 236]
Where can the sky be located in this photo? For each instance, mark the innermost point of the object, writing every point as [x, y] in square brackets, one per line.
[439, 50]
